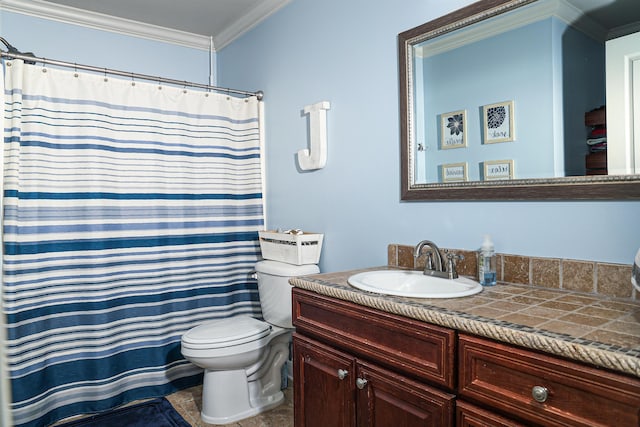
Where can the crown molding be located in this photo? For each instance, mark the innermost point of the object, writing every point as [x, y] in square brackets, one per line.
[520, 17]
[72, 15]
[247, 22]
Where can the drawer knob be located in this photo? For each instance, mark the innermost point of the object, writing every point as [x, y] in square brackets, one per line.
[540, 393]
[342, 374]
[360, 383]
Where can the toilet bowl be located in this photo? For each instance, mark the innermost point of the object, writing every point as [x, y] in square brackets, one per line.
[242, 357]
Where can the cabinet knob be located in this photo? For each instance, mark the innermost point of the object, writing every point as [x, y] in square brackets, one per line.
[342, 374]
[540, 393]
[360, 383]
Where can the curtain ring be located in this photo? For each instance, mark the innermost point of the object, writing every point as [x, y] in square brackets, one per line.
[75, 69]
[184, 89]
[159, 83]
[44, 62]
[133, 82]
[105, 75]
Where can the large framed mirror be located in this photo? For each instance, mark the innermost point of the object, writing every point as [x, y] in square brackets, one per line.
[515, 99]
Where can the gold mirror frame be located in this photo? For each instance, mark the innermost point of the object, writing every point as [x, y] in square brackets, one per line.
[611, 187]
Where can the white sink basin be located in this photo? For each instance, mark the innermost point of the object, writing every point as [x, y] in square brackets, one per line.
[409, 283]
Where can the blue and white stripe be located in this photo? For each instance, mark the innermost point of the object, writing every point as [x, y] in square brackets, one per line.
[130, 215]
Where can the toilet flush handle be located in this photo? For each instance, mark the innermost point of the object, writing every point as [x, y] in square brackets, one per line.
[253, 275]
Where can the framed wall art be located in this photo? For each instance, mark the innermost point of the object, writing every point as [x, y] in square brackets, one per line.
[453, 130]
[498, 169]
[498, 122]
[454, 172]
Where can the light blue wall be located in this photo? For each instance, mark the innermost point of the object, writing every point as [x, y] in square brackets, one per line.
[346, 53]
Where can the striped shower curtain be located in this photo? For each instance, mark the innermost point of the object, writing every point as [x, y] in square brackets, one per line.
[131, 213]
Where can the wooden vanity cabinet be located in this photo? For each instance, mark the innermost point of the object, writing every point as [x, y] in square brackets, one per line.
[354, 366]
[357, 366]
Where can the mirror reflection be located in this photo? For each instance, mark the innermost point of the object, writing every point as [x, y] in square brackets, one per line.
[520, 95]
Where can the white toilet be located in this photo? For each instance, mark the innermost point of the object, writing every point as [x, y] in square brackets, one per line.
[242, 356]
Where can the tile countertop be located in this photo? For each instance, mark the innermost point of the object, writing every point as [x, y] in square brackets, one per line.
[584, 327]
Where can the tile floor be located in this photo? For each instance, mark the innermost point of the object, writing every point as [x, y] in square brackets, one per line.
[189, 402]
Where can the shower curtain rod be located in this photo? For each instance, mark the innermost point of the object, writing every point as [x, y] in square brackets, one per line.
[28, 58]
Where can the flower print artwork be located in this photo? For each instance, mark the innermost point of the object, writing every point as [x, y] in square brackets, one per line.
[453, 130]
[496, 116]
[498, 122]
[455, 124]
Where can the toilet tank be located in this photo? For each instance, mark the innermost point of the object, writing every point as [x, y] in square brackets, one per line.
[275, 290]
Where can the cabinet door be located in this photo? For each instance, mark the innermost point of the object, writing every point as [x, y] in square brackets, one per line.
[387, 399]
[324, 385]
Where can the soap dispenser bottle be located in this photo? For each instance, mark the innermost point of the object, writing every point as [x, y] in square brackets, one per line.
[487, 263]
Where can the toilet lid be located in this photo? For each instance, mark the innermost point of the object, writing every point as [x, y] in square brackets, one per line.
[227, 332]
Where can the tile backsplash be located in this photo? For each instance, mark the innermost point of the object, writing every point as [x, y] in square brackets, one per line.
[611, 280]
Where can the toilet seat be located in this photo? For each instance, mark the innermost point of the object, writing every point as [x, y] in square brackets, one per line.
[228, 332]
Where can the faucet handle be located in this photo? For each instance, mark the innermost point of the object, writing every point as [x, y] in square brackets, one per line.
[451, 263]
[452, 256]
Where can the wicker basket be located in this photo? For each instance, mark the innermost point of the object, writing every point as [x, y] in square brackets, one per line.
[298, 249]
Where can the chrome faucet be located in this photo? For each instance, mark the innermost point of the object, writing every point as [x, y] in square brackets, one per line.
[429, 269]
[439, 270]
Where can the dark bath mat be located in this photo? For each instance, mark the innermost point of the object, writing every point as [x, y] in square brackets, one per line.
[153, 413]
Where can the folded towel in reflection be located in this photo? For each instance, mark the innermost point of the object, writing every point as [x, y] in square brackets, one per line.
[635, 272]
[593, 141]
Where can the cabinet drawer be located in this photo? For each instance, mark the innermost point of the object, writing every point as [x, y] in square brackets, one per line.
[468, 415]
[405, 345]
[503, 377]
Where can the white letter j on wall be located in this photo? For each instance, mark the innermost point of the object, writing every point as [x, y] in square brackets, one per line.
[315, 157]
